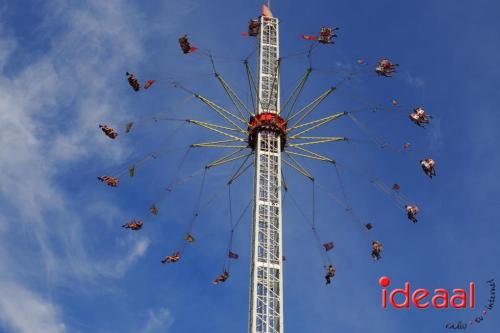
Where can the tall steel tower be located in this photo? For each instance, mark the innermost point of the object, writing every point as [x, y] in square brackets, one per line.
[267, 140]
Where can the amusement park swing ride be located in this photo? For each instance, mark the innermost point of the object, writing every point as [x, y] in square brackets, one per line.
[269, 135]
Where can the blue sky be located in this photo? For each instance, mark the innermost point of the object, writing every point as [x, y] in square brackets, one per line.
[67, 266]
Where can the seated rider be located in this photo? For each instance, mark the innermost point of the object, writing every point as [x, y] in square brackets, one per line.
[134, 225]
[253, 28]
[184, 44]
[110, 132]
[133, 82]
[428, 165]
[327, 35]
[419, 116]
[172, 258]
[412, 212]
[376, 250]
[108, 180]
[221, 278]
[385, 68]
[330, 273]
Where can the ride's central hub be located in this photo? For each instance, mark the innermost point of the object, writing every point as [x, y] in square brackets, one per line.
[266, 122]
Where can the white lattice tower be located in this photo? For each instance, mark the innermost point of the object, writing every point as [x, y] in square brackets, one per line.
[266, 291]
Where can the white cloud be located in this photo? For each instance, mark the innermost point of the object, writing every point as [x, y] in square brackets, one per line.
[49, 112]
[158, 321]
[117, 267]
[25, 312]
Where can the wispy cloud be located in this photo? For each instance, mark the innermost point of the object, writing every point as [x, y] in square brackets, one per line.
[35, 142]
[117, 267]
[23, 311]
[158, 321]
[49, 116]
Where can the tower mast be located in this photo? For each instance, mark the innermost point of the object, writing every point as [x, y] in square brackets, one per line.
[266, 291]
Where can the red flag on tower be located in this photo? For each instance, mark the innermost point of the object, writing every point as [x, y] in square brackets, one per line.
[266, 11]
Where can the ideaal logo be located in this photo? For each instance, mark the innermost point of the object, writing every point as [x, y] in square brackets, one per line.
[440, 299]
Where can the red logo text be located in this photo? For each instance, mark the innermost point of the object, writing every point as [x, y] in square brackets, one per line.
[423, 298]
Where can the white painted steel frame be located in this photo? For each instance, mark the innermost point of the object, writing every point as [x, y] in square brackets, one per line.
[266, 288]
